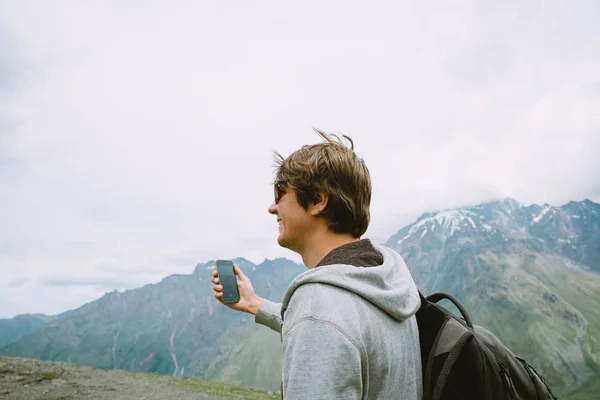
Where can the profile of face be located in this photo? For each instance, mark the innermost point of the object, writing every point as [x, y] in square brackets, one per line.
[294, 221]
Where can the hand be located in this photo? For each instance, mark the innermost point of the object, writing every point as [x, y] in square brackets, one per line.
[249, 301]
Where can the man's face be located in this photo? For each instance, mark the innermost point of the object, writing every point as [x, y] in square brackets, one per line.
[294, 221]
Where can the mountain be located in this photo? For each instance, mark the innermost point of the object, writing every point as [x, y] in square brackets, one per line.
[528, 273]
[13, 329]
[572, 230]
[175, 327]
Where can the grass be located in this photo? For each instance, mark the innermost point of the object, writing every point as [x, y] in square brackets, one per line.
[223, 389]
[43, 372]
[550, 341]
[47, 376]
[589, 391]
[582, 293]
[208, 387]
[27, 375]
[6, 371]
[22, 369]
[258, 360]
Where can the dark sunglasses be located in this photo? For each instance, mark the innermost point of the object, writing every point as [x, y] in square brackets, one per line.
[278, 190]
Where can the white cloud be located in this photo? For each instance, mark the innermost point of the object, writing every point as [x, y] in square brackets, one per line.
[139, 136]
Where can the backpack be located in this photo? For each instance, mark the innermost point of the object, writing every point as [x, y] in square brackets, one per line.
[465, 361]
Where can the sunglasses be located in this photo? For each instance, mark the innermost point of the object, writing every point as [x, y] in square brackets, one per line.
[278, 191]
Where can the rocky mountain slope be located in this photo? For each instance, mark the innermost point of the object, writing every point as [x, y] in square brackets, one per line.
[13, 329]
[529, 273]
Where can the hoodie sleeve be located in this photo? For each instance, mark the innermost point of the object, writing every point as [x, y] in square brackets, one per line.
[269, 315]
[320, 362]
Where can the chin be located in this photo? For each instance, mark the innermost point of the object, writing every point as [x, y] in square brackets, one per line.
[287, 243]
[281, 241]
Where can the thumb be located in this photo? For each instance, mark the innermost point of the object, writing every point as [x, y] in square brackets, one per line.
[239, 273]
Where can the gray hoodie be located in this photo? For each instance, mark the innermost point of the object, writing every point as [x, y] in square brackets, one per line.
[349, 332]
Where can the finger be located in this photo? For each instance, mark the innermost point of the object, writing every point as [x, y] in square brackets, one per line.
[215, 281]
[218, 288]
[215, 273]
[239, 273]
[219, 296]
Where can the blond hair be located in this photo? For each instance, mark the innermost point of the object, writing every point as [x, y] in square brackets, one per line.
[333, 168]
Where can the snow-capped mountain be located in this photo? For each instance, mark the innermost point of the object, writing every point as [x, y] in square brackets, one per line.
[572, 230]
[529, 273]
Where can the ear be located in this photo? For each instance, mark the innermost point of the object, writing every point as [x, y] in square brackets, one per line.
[319, 204]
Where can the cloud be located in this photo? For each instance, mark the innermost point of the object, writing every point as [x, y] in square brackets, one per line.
[136, 139]
[18, 281]
[11, 64]
[97, 282]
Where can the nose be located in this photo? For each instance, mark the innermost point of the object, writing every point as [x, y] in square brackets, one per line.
[273, 208]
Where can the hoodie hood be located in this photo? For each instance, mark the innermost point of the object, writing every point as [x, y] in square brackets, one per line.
[388, 286]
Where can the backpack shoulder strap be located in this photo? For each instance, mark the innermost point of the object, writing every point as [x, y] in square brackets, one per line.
[443, 337]
[448, 346]
[436, 297]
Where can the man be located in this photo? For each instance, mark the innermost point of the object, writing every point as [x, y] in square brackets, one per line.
[348, 323]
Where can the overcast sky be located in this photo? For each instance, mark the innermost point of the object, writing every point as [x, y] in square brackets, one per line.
[136, 137]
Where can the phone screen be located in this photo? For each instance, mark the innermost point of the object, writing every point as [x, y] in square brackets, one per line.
[228, 280]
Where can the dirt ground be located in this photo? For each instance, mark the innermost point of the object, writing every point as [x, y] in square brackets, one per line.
[27, 379]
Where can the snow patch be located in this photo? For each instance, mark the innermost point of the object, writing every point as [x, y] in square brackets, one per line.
[487, 227]
[211, 267]
[449, 220]
[424, 233]
[576, 216]
[472, 223]
[541, 214]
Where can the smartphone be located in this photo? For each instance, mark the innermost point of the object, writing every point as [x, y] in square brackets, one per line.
[228, 280]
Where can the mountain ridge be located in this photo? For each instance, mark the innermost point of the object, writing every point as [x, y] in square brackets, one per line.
[13, 329]
[563, 229]
[508, 263]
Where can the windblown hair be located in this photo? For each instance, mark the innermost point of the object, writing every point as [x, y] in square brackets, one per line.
[333, 168]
